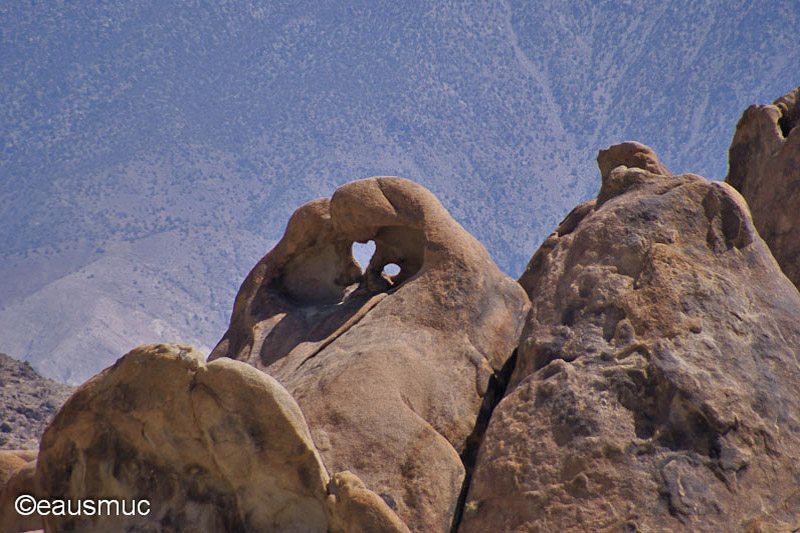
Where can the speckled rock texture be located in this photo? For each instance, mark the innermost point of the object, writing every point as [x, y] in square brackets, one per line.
[764, 166]
[657, 379]
[389, 371]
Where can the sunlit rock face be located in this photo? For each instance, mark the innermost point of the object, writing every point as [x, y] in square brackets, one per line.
[764, 166]
[211, 447]
[389, 370]
[657, 380]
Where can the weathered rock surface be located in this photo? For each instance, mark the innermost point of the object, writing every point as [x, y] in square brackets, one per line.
[212, 447]
[17, 477]
[13, 460]
[27, 403]
[764, 166]
[389, 371]
[657, 379]
[352, 508]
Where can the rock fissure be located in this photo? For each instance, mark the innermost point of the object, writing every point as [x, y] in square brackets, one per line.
[494, 393]
[353, 320]
[206, 441]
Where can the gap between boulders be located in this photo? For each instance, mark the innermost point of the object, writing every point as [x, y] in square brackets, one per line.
[494, 393]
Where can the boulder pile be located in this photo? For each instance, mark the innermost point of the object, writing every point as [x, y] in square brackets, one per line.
[642, 375]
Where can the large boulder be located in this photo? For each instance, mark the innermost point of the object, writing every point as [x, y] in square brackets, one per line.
[658, 372]
[211, 447]
[764, 166]
[389, 371]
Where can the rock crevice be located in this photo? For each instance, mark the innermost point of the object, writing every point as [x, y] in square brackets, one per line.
[469, 456]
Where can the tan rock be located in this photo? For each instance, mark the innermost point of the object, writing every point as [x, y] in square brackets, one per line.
[13, 460]
[217, 447]
[18, 471]
[390, 371]
[764, 166]
[629, 154]
[352, 508]
[657, 379]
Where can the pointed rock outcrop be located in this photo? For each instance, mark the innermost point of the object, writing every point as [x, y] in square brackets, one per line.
[764, 166]
[657, 381]
[389, 371]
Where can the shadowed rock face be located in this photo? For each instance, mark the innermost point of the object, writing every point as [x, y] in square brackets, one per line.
[764, 166]
[390, 371]
[657, 379]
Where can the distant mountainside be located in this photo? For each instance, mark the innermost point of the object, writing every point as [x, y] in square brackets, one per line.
[151, 153]
[27, 402]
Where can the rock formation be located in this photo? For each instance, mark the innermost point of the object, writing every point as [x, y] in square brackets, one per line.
[213, 447]
[651, 385]
[389, 371]
[17, 477]
[27, 403]
[13, 460]
[352, 508]
[373, 386]
[657, 380]
[764, 165]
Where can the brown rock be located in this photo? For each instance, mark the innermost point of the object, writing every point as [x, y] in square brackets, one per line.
[17, 468]
[352, 508]
[764, 166]
[389, 371]
[13, 460]
[217, 447]
[657, 381]
[629, 154]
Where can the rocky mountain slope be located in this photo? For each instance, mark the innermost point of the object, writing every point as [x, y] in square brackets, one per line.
[27, 403]
[149, 145]
[641, 376]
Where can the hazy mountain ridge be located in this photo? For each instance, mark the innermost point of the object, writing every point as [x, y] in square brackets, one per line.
[146, 290]
[124, 122]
